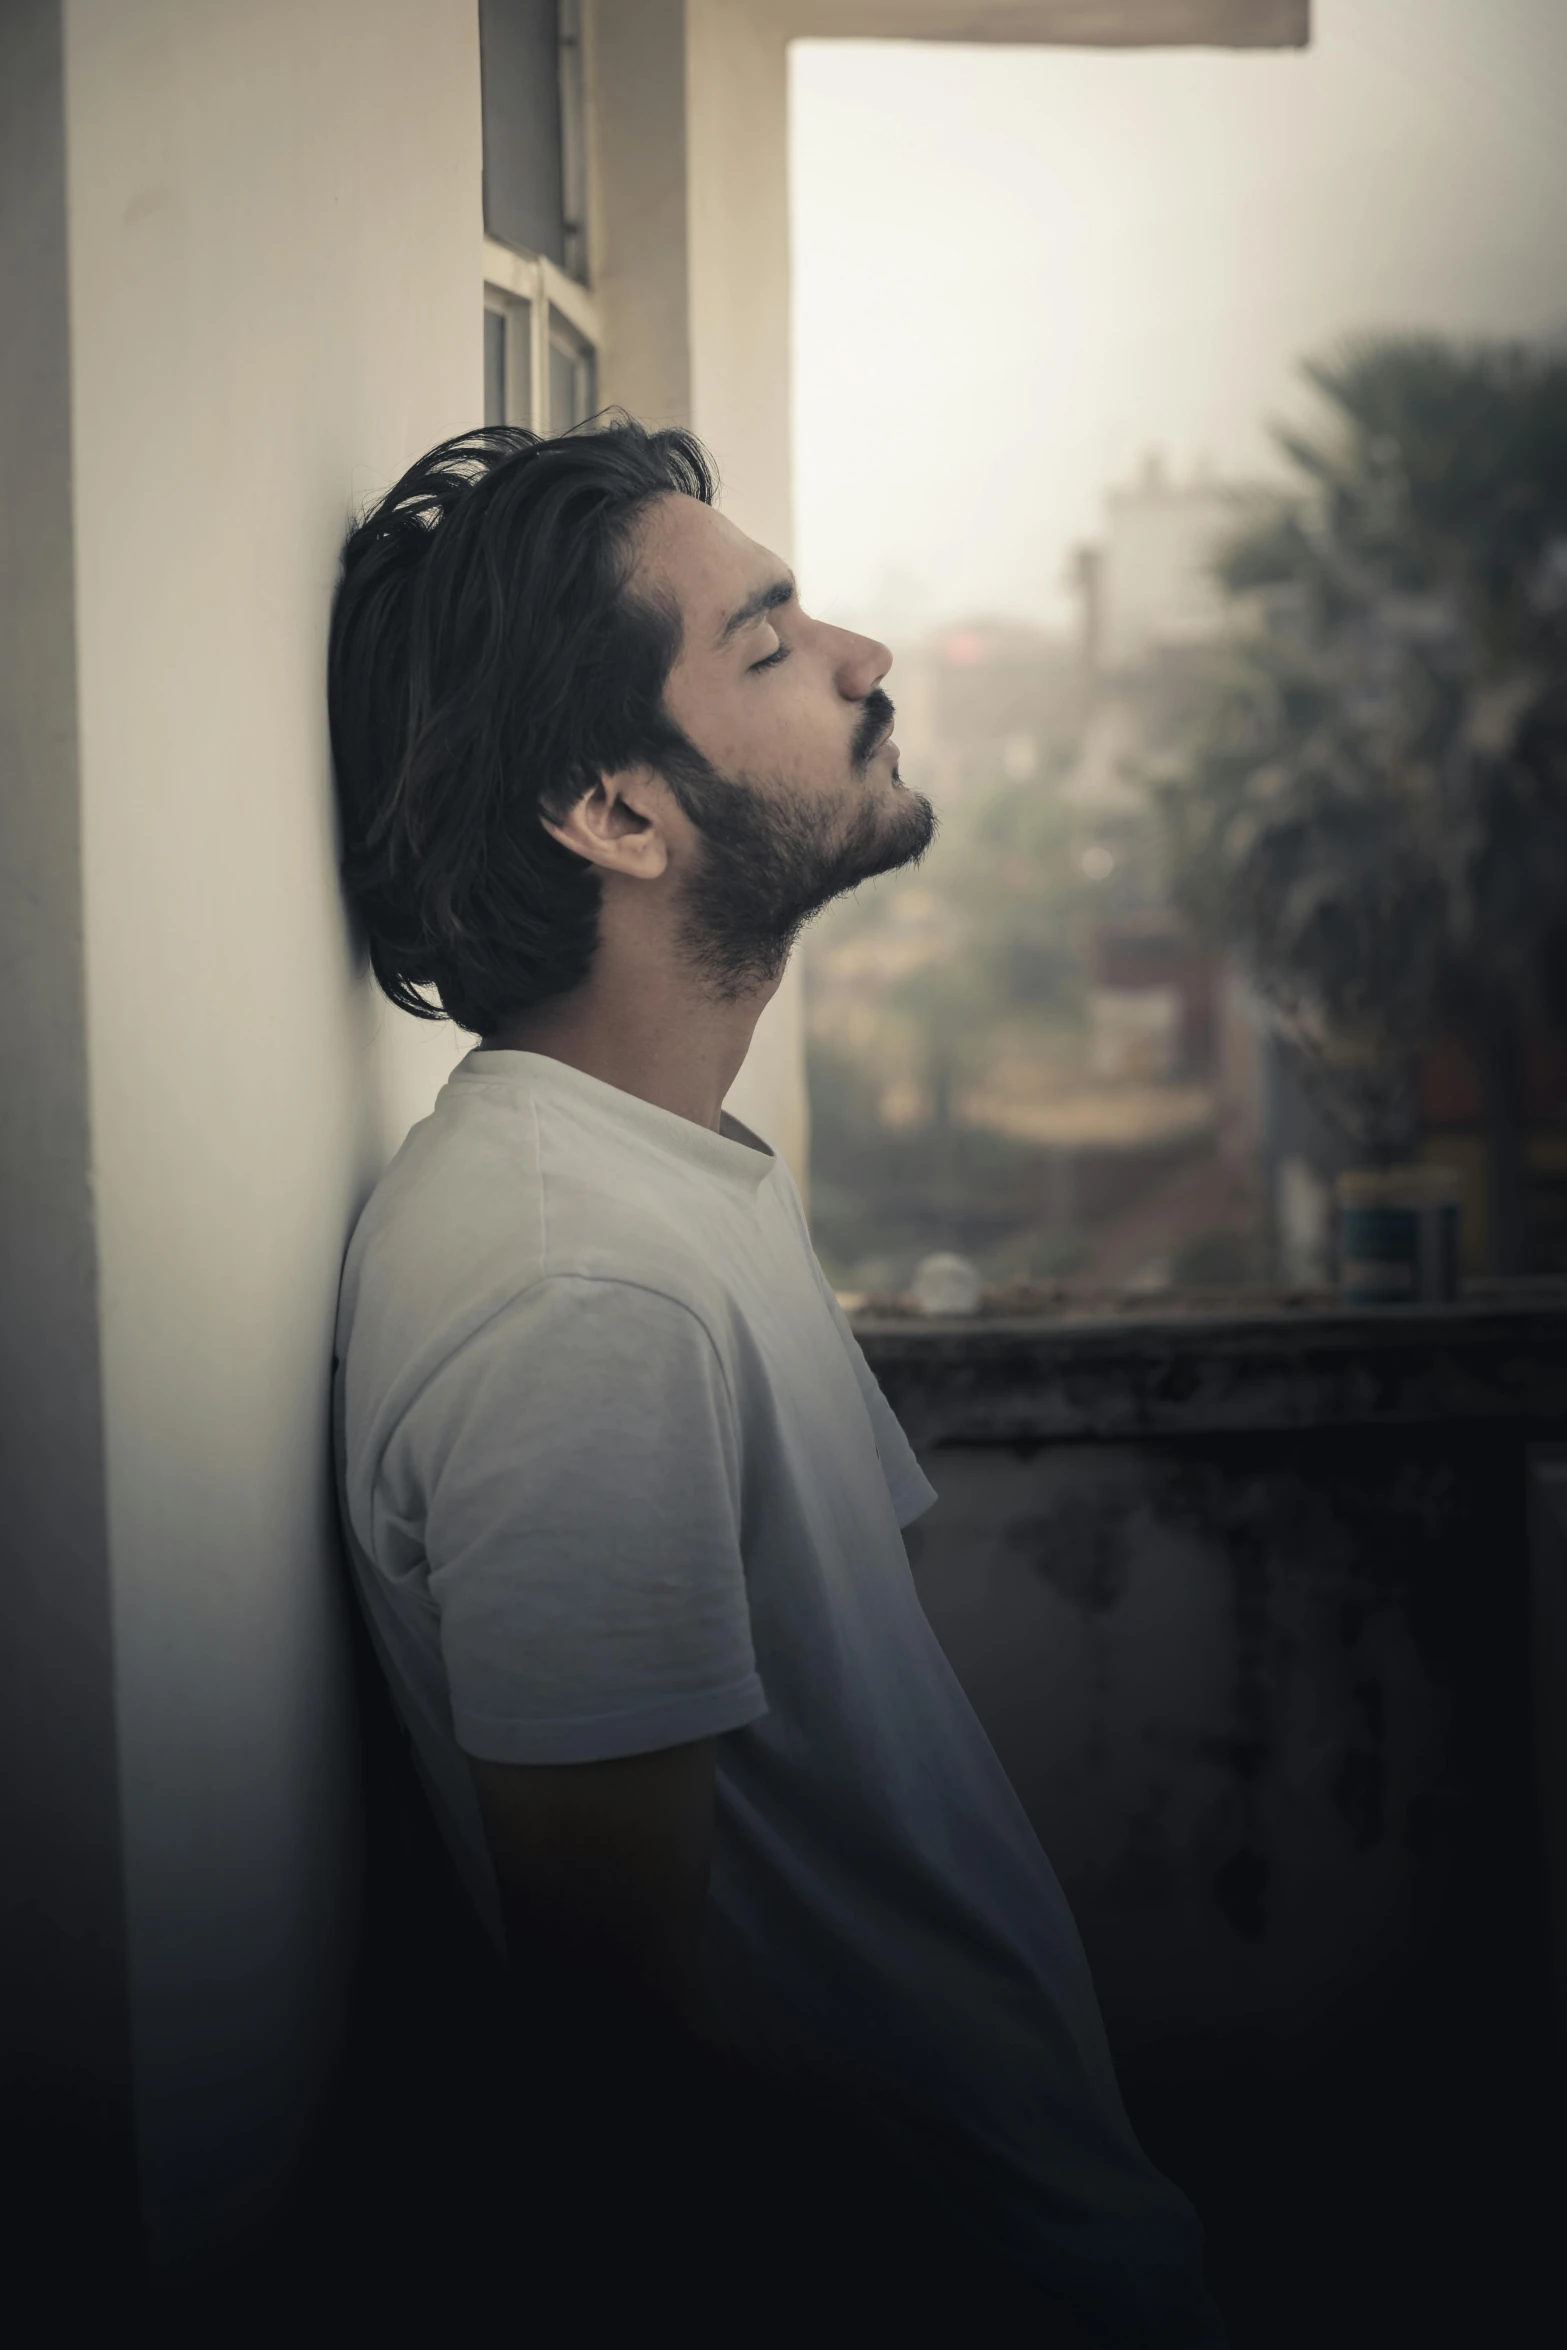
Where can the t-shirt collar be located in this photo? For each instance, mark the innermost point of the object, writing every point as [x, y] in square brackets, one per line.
[732, 1154]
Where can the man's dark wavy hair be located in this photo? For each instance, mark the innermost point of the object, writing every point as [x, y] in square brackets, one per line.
[487, 662]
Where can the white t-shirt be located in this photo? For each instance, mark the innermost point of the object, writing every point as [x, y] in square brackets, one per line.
[618, 1476]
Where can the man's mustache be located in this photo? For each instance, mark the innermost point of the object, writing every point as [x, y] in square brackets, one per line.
[876, 716]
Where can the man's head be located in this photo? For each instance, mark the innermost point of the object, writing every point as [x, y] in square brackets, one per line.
[555, 672]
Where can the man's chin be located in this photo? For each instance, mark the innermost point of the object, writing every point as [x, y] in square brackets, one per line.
[902, 840]
[764, 876]
[917, 816]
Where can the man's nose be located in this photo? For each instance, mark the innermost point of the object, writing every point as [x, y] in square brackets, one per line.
[864, 665]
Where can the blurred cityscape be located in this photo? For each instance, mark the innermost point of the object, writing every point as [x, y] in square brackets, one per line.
[1021, 1051]
[1016, 1050]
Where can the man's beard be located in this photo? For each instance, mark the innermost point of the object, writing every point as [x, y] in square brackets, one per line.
[768, 865]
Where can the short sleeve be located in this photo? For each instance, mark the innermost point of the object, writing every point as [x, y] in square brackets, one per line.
[580, 1472]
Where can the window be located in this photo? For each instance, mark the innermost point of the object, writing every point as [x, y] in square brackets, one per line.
[521, 60]
[508, 359]
[540, 342]
[541, 329]
[571, 374]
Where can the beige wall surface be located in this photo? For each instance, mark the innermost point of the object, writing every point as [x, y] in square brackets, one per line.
[275, 249]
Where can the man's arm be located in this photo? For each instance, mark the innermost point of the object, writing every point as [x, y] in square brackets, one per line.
[603, 1870]
[602, 1874]
[627, 2108]
[656, 2152]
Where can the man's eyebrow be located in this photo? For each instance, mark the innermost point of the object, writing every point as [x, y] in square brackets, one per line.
[766, 599]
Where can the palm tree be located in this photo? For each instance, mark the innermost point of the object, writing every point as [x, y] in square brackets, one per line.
[1373, 811]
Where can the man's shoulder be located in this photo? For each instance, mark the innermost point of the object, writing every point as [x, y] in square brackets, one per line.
[474, 1218]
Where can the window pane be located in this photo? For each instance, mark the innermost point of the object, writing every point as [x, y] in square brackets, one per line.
[563, 389]
[508, 359]
[572, 375]
[520, 85]
[519, 365]
[494, 367]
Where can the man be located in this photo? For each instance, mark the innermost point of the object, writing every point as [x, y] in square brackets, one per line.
[624, 1499]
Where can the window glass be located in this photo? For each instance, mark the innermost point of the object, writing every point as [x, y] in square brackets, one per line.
[508, 359]
[571, 376]
[494, 366]
[519, 365]
[520, 79]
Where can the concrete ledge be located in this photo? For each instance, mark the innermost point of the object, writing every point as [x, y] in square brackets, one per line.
[1500, 1353]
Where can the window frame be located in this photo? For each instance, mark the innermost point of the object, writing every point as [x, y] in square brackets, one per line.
[511, 278]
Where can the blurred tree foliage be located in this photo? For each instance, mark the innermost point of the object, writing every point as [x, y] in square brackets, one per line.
[1373, 811]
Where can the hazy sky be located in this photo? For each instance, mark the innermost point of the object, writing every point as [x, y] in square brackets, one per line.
[1018, 269]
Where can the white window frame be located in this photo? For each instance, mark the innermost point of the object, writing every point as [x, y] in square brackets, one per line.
[511, 277]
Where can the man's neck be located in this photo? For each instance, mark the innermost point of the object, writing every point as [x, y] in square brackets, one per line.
[646, 1029]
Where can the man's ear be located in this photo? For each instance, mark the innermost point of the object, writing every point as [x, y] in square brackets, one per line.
[618, 825]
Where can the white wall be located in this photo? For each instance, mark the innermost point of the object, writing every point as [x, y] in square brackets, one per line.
[274, 276]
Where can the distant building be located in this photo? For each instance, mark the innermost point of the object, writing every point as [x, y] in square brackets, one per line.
[1152, 618]
[984, 703]
[1154, 584]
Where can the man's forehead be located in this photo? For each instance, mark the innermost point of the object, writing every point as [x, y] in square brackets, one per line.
[705, 562]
